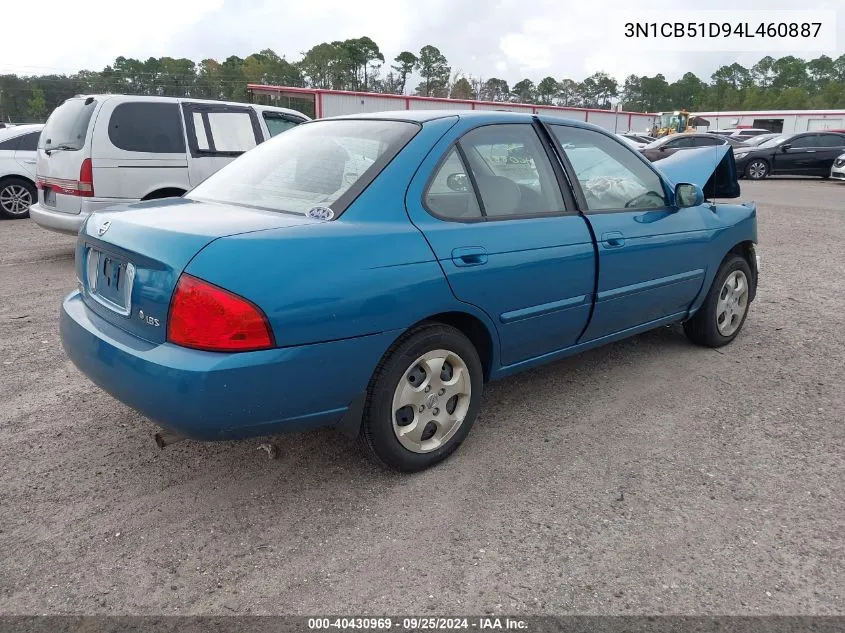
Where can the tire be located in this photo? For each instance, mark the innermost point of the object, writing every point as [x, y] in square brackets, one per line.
[405, 438]
[708, 326]
[757, 169]
[16, 196]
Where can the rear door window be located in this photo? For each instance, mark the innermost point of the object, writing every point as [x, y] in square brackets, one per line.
[831, 140]
[146, 126]
[29, 142]
[221, 129]
[705, 141]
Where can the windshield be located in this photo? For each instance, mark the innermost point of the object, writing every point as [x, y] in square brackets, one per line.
[68, 125]
[310, 166]
[773, 141]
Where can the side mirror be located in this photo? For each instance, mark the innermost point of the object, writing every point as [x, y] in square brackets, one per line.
[662, 148]
[687, 195]
[785, 147]
[457, 182]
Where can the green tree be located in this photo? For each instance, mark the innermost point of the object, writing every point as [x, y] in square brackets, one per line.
[462, 89]
[406, 61]
[434, 70]
[524, 91]
[547, 90]
[36, 106]
[495, 89]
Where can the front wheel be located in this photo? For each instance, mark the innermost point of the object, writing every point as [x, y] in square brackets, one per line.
[423, 398]
[721, 317]
[757, 169]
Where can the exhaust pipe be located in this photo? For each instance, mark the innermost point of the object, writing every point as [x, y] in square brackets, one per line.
[166, 438]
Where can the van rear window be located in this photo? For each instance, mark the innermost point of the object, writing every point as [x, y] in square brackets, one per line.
[68, 124]
[145, 126]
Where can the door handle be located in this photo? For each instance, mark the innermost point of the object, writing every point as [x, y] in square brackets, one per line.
[469, 256]
[614, 239]
[809, 151]
[29, 162]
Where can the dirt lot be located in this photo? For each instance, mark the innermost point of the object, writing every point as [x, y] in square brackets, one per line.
[649, 476]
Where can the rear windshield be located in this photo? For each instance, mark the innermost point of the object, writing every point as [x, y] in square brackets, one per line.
[68, 125]
[311, 165]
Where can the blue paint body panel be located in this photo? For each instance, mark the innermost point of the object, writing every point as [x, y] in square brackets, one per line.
[338, 293]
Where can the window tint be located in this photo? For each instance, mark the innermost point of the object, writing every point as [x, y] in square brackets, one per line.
[10, 144]
[705, 141]
[232, 131]
[450, 193]
[831, 140]
[512, 171]
[612, 176]
[29, 142]
[68, 124]
[314, 165]
[277, 124]
[148, 127]
[811, 140]
[685, 141]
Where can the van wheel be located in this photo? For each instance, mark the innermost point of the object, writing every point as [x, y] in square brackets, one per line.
[16, 196]
[422, 399]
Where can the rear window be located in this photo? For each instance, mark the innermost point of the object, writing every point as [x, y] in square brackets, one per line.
[312, 165]
[153, 128]
[68, 125]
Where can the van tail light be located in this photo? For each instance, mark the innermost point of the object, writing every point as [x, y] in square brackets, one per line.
[86, 179]
[204, 316]
[84, 187]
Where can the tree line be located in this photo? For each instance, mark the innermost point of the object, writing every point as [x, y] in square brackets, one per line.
[359, 64]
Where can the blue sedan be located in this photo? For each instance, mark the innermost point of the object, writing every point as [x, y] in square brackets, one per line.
[372, 273]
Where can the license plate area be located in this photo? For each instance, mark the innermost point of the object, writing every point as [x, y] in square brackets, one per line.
[110, 281]
[49, 196]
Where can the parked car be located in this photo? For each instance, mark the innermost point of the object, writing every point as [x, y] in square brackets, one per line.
[838, 169]
[746, 133]
[17, 169]
[668, 145]
[102, 150]
[644, 139]
[804, 154]
[633, 142]
[293, 289]
[754, 141]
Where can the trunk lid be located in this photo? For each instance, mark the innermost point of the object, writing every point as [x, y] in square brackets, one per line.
[128, 262]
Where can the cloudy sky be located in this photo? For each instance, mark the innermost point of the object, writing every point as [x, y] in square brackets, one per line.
[511, 39]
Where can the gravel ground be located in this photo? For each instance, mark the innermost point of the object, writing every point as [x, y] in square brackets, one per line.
[649, 476]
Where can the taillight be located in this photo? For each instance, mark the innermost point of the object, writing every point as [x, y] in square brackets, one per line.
[83, 187]
[203, 316]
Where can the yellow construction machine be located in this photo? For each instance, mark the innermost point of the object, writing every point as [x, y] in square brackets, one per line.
[677, 122]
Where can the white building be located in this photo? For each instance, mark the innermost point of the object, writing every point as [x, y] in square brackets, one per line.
[785, 121]
[327, 103]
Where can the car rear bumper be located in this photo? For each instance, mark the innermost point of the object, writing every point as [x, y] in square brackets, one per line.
[214, 396]
[70, 223]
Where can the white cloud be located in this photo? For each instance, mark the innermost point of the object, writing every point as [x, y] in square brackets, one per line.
[507, 38]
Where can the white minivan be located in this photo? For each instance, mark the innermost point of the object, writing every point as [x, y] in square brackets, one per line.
[103, 150]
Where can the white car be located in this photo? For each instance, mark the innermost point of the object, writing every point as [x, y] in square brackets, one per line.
[17, 169]
[102, 151]
[838, 169]
[633, 142]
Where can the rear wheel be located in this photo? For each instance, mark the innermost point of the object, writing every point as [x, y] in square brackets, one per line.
[16, 196]
[723, 313]
[422, 399]
[757, 169]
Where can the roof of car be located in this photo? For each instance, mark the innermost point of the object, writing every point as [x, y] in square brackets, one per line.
[104, 96]
[16, 130]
